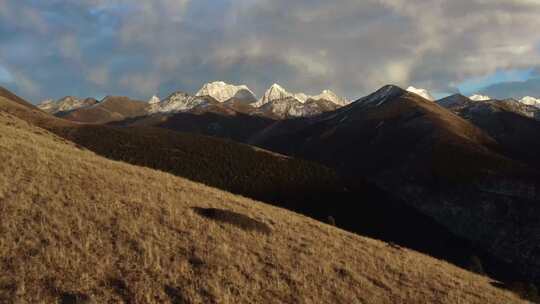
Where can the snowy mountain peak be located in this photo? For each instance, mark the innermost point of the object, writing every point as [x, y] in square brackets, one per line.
[302, 97]
[154, 100]
[421, 92]
[176, 102]
[478, 97]
[332, 97]
[530, 101]
[46, 104]
[275, 92]
[68, 103]
[222, 92]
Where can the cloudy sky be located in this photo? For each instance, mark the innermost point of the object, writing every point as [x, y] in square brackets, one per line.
[139, 48]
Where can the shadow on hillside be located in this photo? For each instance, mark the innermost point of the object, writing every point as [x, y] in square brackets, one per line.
[239, 127]
[241, 221]
[294, 184]
[526, 291]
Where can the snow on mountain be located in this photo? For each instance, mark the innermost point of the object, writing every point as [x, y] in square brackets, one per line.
[530, 101]
[274, 93]
[422, 92]
[66, 104]
[455, 100]
[176, 102]
[154, 100]
[330, 96]
[519, 107]
[478, 97]
[222, 92]
[484, 105]
[278, 93]
[381, 96]
[302, 97]
[46, 105]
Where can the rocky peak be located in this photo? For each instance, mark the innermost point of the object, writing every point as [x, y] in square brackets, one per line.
[154, 100]
[222, 92]
[176, 102]
[65, 104]
[530, 101]
[478, 97]
[330, 96]
[421, 92]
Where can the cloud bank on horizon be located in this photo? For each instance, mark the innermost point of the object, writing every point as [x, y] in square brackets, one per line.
[140, 48]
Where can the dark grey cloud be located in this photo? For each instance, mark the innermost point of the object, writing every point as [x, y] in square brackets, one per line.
[138, 48]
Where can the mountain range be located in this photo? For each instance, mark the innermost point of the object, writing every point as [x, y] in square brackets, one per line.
[456, 178]
[276, 102]
[80, 228]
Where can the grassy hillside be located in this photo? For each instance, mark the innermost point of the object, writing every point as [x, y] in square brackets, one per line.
[234, 167]
[9, 95]
[112, 108]
[78, 228]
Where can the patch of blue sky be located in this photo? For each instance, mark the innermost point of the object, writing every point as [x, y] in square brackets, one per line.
[474, 85]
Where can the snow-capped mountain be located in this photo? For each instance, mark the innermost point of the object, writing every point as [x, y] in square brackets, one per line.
[278, 93]
[223, 92]
[422, 92]
[290, 108]
[330, 96]
[279, 102]
[276, 102]
[66, 104]
[527, 100]
[176, 102]
[479, 97]
[154, 100]
[530, 101]
[468, 107]
[452, 101]
[520, 107]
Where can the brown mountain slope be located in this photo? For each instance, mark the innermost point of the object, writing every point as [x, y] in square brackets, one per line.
[298, 185]
[112, 108]
[433, 160]
[236, 126]
[79, 228]
[504, 121]
[232, 119]
[234, 167]
[9, 95]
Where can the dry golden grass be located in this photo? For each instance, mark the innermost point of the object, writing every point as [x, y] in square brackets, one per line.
[74, 225]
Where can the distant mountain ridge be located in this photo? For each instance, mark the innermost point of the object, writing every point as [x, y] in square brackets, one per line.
[486, 103]
[276, 102]
[513, 124]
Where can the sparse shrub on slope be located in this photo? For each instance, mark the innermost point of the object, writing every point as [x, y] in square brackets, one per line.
[475, 265]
